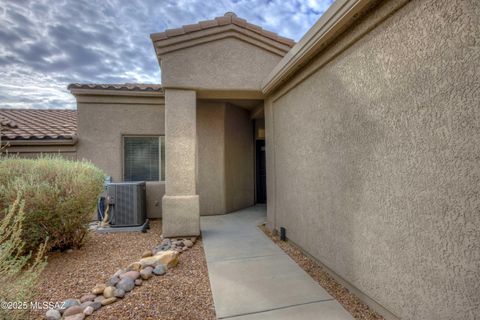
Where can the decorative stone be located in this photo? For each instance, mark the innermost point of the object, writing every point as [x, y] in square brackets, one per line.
[159, 270]
[86, 304]
[113, 281]
[68, 303]
[165, 245]
[168, 258]
[118, 273]
[126, 284]
[119, 293]
[135, 266]
[188, 243]
[193, 239]
[96, 305]
[98, 289]
[130, 274]
[87, 297]
[53, 314]
[147, 253]
[138, 282]
[100, 298]
[108, 301]
[164, 248]
[88, 311]
[108, 292]
[146, 273]
[72, 310]
[78, 316]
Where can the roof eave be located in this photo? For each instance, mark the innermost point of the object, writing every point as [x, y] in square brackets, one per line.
[330, 25]
[106, 92]
[164, 45]
[40, 142]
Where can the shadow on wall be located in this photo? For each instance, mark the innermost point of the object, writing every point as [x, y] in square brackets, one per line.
[349, 137]
[376, 160]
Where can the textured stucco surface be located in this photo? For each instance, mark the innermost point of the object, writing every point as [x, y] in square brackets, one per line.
[180, 216]
[181, 208]
[225, 180]
[102, 125]
[239, 161]
[180, 142]
[100, 130]
[376, 162]
[218, 65]
[155, 192]
[211, 157]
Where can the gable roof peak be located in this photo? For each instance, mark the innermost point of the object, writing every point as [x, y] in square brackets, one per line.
[228, 19]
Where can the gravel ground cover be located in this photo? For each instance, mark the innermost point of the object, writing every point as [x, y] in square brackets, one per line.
[183, 293]
[350, 302]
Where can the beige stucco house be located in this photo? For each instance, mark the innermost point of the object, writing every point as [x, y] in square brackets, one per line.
[371, 129]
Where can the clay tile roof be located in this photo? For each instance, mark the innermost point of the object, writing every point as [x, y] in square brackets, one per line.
[228, 18]
[38, 124]
[118, 87]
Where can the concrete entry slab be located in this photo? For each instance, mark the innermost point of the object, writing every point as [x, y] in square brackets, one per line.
[241, 247]
[252, 278]
[330, 310]
[257, 284]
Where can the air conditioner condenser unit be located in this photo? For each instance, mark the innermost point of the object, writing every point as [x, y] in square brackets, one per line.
[128, 203]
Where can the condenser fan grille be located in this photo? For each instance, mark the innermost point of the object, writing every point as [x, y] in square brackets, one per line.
[128, 203]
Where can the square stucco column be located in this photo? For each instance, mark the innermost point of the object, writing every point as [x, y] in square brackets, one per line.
[181, 210]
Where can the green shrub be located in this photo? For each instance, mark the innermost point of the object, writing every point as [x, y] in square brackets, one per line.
[60, 198]
[19, 273]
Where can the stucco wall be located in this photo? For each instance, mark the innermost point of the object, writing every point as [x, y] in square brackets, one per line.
[375, 158]
[239, 162]
[211, 163]
[222, 64]
[100, 130]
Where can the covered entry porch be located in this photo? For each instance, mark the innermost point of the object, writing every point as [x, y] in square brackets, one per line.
[212, 75]
[214, 158]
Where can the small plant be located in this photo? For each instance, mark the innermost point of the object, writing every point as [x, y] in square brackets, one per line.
[59, 195]
[19, 272]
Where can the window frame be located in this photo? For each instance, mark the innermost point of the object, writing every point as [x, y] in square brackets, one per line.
[161, 138]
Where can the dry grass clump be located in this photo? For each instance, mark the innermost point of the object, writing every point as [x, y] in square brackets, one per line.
[19, 272]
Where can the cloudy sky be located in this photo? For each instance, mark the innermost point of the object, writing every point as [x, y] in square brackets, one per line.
[47, 44]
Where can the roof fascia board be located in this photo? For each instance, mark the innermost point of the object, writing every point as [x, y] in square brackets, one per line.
[40, 142]
[118, 100]
[235, 35]
[229, 94]
[332, 23]
[130, 93]
[202, 36]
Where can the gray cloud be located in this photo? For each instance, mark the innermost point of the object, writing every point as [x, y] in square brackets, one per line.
[44, 44]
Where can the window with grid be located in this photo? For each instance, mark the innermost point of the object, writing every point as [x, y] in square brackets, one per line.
[143, 158]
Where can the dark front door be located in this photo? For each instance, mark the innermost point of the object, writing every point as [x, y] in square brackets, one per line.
[261, 178]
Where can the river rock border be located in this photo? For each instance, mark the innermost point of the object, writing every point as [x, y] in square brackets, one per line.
[154, 262]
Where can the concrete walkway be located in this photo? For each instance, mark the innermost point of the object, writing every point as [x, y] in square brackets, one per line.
[252, 278]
